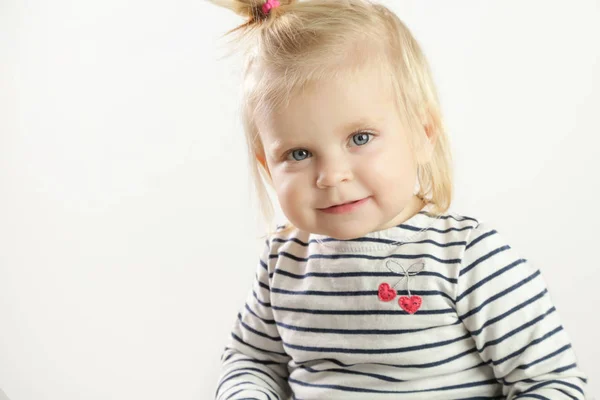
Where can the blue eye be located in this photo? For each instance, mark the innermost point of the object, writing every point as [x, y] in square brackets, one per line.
[299, 154]
[361, 138]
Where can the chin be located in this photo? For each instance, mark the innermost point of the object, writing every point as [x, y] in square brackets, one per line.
[343, 236]
[345, 233]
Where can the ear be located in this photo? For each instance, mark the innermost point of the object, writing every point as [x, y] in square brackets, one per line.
[431, 133]
[426, 151]
[260, 157]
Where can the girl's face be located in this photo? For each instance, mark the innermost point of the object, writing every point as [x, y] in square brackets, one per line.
[340, 142]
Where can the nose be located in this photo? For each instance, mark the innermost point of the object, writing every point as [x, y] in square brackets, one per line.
[333, 171]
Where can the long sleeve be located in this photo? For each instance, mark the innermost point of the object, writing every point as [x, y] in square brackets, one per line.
[504, 303]
[254, 363]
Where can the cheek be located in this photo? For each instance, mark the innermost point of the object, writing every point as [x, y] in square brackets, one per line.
[391, 177]
[392, 168]
[291, 189]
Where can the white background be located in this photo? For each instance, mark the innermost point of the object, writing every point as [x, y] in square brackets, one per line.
[128, 234]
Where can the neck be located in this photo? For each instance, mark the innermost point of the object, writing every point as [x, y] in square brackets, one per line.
[412, 208]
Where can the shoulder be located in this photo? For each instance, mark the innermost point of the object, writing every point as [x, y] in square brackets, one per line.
[486, 250]
[450, 227]
[479, 232]
[478, 236]
[456, 220]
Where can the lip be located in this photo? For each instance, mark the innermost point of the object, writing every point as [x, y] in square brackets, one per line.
[344, 208]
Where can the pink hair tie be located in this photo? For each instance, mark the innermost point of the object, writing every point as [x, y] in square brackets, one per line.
[269, 5]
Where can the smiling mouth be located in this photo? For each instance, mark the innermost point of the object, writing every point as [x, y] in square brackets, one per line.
[341, 204]
[344, 207]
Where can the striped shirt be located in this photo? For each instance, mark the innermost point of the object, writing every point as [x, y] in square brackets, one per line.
[314, 326]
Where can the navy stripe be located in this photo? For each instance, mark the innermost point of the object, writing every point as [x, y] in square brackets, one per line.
[233, 394]
[249, 328]
[498, 295]
[420, 366]
[354, 274]
[295, 240]
[509, 312]
[251, 388]
[480, 238]
[239, 339]
[549, 382]
[539, 360]
[249, 371]
[350, 372]
[482, 259]
[565, 368]
[263, 264]
[376, 351]
[447, 216]
[244, 358]
[262, 303]
[266, 321]
[489, 278]
[263, 285]
[361, 312]
[339, 256]
[229, 376]
[417, 229]
[363, 390]
[566, 394]
[530, 344]
[358, 293]
[366, 240]
[517, 330]
[360, 331]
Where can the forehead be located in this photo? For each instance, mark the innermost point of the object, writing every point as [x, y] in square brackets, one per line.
[341, 104]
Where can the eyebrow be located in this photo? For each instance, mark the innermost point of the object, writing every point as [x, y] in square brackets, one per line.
[360, 123]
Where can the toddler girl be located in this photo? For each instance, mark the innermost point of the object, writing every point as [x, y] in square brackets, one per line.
[374, 290]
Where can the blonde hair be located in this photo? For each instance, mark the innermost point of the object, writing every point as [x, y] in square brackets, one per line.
[302, 42]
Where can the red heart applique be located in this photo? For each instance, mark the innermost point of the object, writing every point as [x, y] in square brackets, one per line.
[386, 293]
[410, 304]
